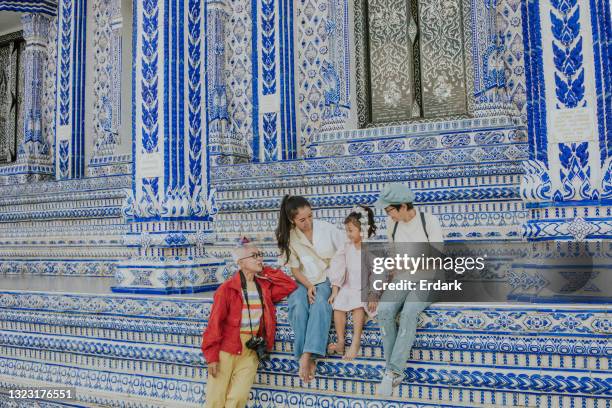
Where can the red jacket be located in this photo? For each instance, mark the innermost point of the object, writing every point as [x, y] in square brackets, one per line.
[223, 330]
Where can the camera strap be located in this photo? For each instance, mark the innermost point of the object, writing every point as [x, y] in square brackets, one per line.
[246, 299]
[423, 223]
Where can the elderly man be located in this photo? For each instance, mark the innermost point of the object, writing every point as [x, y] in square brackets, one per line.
[241, 327]
[405, 224]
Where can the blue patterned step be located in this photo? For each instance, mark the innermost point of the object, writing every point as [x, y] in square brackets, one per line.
[445, 382]
[276, 397]
[112, 347]
[521, 350]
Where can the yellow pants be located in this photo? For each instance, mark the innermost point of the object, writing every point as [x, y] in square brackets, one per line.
[235, 376]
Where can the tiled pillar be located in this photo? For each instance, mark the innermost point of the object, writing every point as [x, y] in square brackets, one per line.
[70, 102]
[35, 30]
[108, 39]
[227, 144]
[34, 156]
[170, 207]
[567, 184]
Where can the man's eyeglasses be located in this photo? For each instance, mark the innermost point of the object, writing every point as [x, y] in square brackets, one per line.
[255, 255]
[390, 209]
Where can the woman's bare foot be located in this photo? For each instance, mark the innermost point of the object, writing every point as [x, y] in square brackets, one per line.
[352, 352]
[312, 369]
[304, 370]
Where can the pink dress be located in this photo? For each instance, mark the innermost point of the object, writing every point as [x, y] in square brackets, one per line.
[345, 271]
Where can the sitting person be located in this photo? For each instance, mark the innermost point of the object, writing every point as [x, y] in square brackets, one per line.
[405, 224]
[241, 327]
[345, 276]
[307, 245]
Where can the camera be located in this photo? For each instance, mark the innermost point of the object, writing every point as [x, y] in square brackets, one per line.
[258, 344]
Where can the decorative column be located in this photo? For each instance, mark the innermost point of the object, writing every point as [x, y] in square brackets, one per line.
[108, 39]
[336, 69]
[35, 31]
[489, 48]
[70, 102]
[170, 208]
[33, 152]
[567, 184]
[274, 127]
[227, 144]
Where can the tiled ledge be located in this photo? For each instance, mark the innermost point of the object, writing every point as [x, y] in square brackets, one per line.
[500, 318]
[65, 186]
[417, 128]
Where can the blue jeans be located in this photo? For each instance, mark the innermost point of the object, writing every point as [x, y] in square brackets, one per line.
[310, 323]
[397, 346]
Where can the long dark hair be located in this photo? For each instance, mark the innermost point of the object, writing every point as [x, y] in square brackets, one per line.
[355, 219]
[288, 209]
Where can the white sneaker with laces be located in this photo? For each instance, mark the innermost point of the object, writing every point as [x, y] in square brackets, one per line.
[389, 381]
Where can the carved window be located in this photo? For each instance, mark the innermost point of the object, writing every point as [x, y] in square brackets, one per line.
[410, 60]
[11, 95]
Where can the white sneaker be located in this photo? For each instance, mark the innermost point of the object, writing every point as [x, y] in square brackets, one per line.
[390, 381]
[385, 388]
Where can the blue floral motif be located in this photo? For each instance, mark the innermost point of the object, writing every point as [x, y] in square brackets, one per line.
[537, 322]
[192, 277]
[150, 104]
[535, 183]
[150, 195]
[64, 62]
[574, 160]
[455, 140]
[270, 136]
[268, 57]
[361, 148]
[64, 158]
[331, 90]
[567, 50]
[195, 97]
[606, 182]
[493, 74]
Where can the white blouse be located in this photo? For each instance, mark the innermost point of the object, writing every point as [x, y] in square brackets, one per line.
[313, 258]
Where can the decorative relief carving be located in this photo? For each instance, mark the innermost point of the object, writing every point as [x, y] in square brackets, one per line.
[392, 32]
[442, 61]
[11, 95]
[410, 60]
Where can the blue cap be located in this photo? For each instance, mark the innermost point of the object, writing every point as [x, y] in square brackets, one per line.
[394, 193]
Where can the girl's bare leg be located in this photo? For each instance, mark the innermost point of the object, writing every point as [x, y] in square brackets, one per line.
[358, 321]
[340, 325]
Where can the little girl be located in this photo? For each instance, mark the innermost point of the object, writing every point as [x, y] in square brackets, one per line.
[345, 276]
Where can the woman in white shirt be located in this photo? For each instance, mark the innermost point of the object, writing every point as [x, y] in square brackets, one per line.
[307, 246]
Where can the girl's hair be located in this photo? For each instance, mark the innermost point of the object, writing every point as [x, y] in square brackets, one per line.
[355, 219]
[288, 210]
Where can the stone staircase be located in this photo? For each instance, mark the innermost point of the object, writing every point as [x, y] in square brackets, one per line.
[63, 228]
[135, 351]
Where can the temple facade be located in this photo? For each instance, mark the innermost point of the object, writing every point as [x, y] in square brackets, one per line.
[140, 138]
